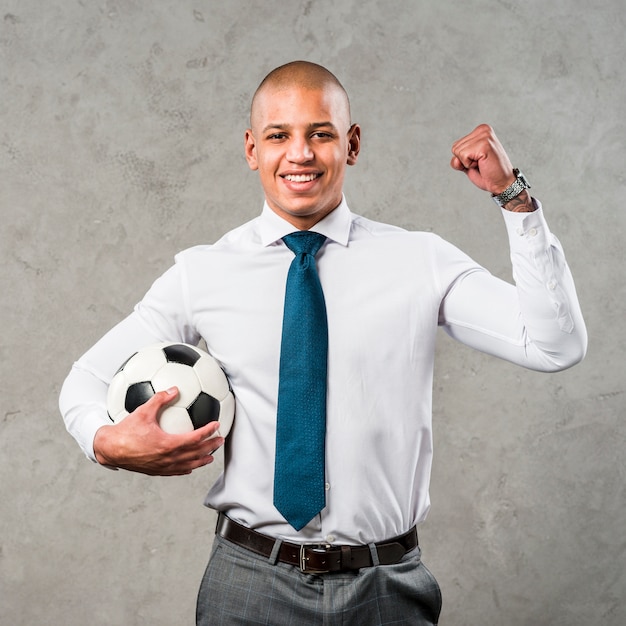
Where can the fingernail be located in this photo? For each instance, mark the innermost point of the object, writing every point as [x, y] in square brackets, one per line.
[171, 391]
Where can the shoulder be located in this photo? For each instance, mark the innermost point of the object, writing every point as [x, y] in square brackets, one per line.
[232, 242]
[380, 232]
[398, 247]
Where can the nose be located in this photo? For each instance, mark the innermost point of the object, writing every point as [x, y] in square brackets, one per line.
[299, 150]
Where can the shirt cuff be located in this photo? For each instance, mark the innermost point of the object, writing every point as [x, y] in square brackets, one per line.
[527, 230]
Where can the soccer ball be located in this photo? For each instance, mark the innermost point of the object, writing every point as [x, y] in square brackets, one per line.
[204, 394]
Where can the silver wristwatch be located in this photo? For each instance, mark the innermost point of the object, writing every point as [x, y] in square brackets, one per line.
[512, 191]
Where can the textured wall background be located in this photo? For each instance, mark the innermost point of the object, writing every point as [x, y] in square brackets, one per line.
[121, 142]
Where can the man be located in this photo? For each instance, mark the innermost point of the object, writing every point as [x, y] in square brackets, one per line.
[385, 292]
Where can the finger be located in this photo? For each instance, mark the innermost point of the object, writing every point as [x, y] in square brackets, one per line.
[207, 446]
[196, 444]
[475, 146]
[152, 409]
[456, 164]
[186, 463]
[466, 155]
[202, 436]
[208, 430]
[193, 450]
[179, 461]
[164, 397]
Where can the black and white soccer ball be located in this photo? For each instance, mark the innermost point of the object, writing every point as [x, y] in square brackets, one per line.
[204, 392]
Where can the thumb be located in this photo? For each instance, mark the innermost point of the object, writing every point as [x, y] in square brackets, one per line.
[152, 407]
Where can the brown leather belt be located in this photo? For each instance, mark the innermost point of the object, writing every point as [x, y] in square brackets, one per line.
[317, 558]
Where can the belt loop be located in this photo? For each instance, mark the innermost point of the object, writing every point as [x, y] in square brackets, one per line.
[273, 557]
[374, 554]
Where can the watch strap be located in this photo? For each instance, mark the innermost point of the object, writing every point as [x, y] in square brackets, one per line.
[513, 190]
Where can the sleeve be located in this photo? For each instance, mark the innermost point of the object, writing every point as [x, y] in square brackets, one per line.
[161, 316]
[536, 323]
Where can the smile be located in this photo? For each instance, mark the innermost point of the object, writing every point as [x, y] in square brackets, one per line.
[301, 178]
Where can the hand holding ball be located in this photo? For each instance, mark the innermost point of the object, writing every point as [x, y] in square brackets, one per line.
[204, 392]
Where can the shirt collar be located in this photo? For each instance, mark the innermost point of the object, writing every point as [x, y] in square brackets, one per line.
[336, 225]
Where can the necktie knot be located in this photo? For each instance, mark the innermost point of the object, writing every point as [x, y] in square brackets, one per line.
[304, 242]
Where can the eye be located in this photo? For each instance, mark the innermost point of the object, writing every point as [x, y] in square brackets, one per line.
[276, 136]
[320, 134]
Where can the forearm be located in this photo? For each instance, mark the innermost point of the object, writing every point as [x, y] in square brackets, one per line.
[82, 401]
[521, 204]
[83, 406]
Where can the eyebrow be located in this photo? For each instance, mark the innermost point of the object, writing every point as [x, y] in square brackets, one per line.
[312, 126]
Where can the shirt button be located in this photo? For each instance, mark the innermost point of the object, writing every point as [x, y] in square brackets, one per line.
[532, 232]
[330, 538]
[327, 486]
[552, 285]
[520, 232]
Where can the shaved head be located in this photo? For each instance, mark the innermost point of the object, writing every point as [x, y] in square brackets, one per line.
[301, 140]
[302, 74]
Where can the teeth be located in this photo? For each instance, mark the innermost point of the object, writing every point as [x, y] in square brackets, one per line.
[300, 178]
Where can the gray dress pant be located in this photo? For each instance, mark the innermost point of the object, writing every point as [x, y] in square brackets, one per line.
[242, 588]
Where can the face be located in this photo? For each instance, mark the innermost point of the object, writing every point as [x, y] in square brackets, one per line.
[300, 142]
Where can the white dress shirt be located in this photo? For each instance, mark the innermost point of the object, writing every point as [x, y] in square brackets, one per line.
[387, 290]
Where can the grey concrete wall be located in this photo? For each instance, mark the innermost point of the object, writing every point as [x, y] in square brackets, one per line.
[121, 142]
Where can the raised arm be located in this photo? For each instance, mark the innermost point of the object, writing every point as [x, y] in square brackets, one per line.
[537, 323]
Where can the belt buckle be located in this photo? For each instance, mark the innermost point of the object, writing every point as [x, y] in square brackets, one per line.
[318, 548]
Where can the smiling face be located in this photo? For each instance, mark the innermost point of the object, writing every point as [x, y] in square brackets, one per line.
[300, 141]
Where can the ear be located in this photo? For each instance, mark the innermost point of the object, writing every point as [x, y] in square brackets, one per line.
[250, 150]
[354, 143]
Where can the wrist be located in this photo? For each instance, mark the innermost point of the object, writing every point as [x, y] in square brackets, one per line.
[515, 189]
[100, 445]
[523, 203]
[505, 185]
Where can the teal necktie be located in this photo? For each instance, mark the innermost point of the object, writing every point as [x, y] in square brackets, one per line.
[299, 492]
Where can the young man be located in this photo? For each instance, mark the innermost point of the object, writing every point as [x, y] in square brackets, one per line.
[354, 557]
